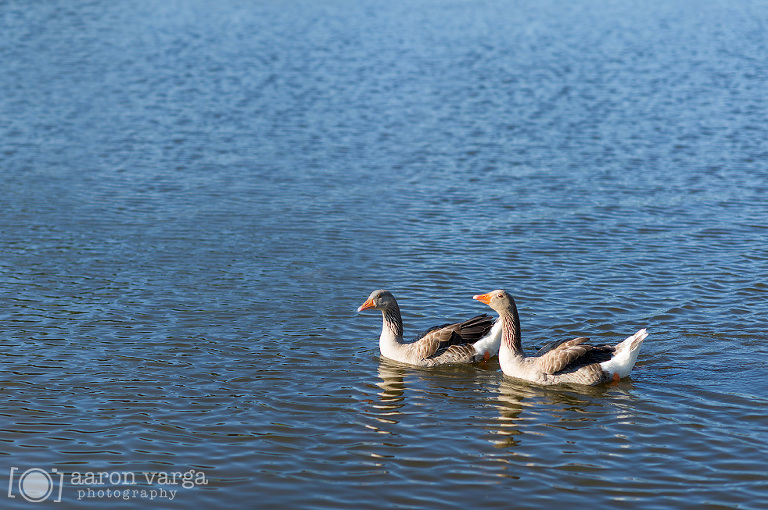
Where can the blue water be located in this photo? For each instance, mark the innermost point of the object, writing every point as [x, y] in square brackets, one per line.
[196, 196]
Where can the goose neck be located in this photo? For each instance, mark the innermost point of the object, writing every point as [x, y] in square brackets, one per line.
[510, 333]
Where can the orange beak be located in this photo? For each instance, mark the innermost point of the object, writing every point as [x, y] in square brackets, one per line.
[365, 306]
[483, 298]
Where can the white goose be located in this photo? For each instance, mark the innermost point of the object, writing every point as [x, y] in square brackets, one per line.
[567, 361]
[464, 342]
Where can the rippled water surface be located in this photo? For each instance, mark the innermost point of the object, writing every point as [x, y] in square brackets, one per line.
[195, 197]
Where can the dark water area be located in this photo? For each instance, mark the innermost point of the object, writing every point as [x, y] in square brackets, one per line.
[196, 196]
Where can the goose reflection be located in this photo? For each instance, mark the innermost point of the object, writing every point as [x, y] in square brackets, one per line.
[391, 396]
[386, 407]
[434, 385]
[510, 406]
[566, 405]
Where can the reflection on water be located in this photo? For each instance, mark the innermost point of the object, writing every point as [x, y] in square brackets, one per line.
[511, 404]
[517, 399]
[391, 382]
[391, 397]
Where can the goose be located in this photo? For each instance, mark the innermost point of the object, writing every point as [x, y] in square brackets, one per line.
[464, 342]
[559, 362]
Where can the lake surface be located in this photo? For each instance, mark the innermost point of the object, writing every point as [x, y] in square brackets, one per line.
[196, 196]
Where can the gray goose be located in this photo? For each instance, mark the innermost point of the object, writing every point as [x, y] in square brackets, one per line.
[463, 342]
[559, 362]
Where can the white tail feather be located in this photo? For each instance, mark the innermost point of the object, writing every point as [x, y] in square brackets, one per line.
[625, 356]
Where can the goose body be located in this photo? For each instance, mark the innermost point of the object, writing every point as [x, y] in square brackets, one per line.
[463, 342]
[562, 362]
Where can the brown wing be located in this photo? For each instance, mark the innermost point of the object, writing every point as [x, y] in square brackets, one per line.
[439, 339]
[464, 353]
[554, 344]
[433, 342]
[563, 355]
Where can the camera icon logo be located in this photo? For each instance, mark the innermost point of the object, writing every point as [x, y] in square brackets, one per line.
[36, 485]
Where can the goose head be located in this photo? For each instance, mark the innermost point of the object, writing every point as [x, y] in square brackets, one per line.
[499, 300]
[379, 300]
